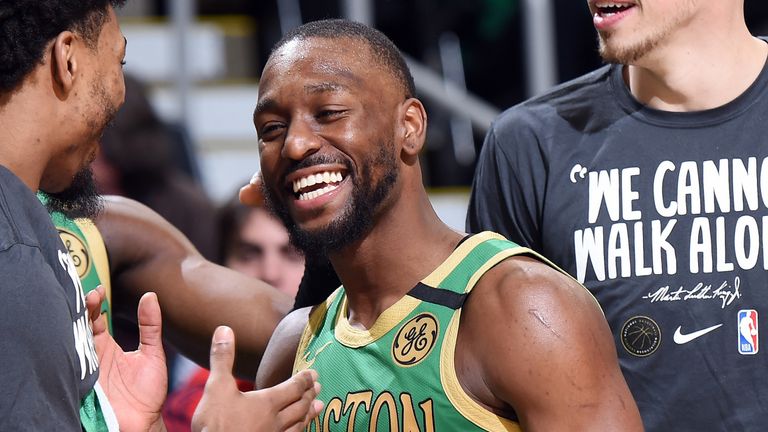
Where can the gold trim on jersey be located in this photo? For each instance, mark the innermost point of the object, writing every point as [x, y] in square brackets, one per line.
[354, 337]
[315, 321]
[460, 400]
[98, 253]
[461, 252]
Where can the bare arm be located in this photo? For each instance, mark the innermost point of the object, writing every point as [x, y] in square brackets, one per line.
[559, 369]
[147, 253]
[277, 364]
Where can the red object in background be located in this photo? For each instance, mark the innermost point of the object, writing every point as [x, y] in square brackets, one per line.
[181, 404]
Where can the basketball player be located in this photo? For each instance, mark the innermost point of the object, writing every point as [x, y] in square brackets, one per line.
[433, 329]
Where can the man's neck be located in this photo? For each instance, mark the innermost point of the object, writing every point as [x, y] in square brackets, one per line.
[25, 119]
[403, 248]
[700, 74]
[22, 153]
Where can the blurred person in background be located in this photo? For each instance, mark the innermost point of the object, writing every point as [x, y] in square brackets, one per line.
[255, 243]
[143, 159]
[146, 159]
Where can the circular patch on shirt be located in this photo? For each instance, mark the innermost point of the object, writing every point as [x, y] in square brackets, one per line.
[78, 250]
[415, 340]
[641, 336]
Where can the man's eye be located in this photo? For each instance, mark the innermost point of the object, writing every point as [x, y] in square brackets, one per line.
[269, 131]
[326, 114]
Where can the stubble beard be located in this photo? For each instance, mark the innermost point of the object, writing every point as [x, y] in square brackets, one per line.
[81, 198]
[627, 54]
[633, 51]
[358, 216]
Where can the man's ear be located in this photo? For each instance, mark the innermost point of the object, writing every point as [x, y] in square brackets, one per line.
[64, 62]
[415, 126]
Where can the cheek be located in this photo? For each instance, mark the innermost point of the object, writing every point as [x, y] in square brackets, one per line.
[119, 88]
[268, 162]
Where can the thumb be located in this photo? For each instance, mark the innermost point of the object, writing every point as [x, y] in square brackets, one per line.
[222, 356]
[150, 325]
[252, 193]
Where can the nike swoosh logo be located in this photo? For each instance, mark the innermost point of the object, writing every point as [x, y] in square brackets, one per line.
[681, 338]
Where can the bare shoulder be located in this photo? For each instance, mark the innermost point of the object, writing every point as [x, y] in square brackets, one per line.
[277, 363]
[525, 285]
[543, 350]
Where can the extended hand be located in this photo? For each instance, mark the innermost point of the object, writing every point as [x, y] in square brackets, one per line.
[288, 406]
[135, 382]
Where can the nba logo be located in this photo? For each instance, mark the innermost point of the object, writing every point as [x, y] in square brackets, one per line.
[748, 333]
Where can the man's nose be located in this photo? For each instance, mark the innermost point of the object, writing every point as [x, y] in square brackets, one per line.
[300, 141]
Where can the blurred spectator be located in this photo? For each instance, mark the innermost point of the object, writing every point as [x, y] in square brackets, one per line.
[148, 160]
[255, 243]
[143, 158]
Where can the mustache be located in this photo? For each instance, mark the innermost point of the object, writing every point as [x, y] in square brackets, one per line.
[318, 159]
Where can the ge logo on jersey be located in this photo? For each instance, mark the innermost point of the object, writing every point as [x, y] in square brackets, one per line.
[77, 249]
[748, 332]
[415, 340]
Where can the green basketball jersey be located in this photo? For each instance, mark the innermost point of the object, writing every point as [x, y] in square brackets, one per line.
[399, 375]
[84, 243]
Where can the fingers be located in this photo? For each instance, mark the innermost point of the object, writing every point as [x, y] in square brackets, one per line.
[93, 302]
[222, 358]
[293, 389]
[315, 408]
[150, 325]
[252, 194]
[302, 410]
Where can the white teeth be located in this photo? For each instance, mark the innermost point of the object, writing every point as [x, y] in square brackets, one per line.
[316, 193]
[313, 179]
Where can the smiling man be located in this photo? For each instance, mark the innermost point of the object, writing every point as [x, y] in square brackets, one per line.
[432, 329]
[646, 180]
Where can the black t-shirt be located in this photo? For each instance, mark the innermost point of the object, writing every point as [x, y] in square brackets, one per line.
[664, 217]
[47, 358]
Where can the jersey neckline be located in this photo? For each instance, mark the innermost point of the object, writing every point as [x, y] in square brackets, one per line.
[355, 337]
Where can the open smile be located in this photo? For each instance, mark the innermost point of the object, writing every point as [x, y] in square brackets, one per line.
[312, 186]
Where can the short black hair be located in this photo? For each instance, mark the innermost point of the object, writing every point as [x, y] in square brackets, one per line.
[383, 49]
[27, 26]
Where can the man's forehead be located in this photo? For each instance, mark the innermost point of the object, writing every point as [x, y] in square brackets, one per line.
[320, 68]
[336, 55]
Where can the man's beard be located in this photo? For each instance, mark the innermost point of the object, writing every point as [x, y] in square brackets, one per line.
[631, 53]
[79, 200]
[627, 55]
[358, 216]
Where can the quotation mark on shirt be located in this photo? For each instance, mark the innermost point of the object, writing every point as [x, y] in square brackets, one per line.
[578, 171]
